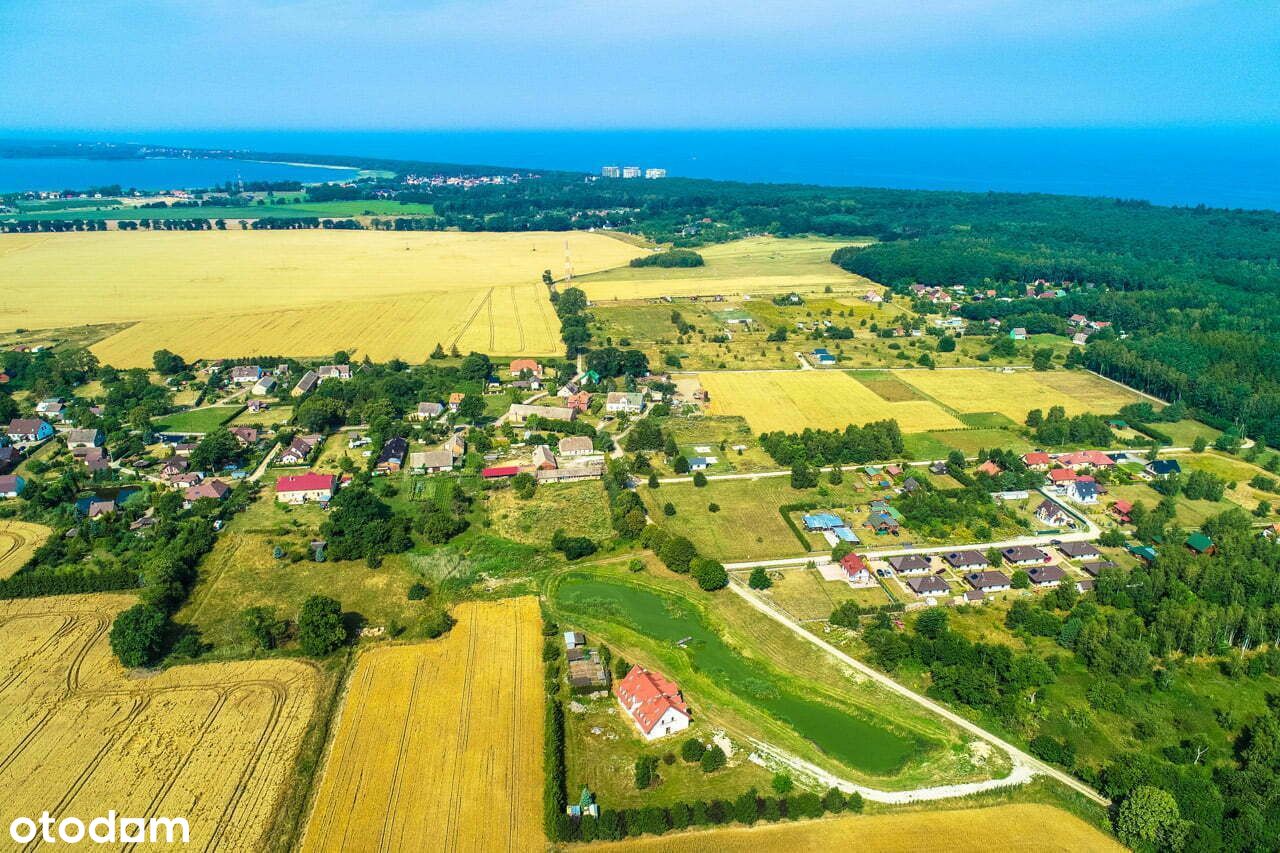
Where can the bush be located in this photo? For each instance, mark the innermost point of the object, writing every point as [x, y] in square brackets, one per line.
[419, 591]
[644, 771]
[713, 507]
[668, 509]
[759, 578]
[669, 258]
[713, 759]
[699, 479]
[782, 783]
[691, 750]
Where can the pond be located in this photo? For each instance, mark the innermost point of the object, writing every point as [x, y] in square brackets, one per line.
[844, 735]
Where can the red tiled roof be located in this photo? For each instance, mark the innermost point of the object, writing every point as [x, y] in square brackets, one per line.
[1059, 475]
[308, 482]
[501, 471]
[1036, 458]
[648, 695]
[853, 564]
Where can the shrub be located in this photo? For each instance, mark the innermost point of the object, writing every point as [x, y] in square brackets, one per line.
[419, 591]
[713, 759]
[759, 578]
[691, 750]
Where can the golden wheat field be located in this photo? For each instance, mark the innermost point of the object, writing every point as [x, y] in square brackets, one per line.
[224, 293]
[792, 400]
[212, 743]
[1030, 828]
[18, 541]
[1014, 394]
[439, 744]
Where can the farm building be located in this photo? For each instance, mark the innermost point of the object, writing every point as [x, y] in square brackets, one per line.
[928, 585]
[628, 402]
[574, 639]
[8, 457]
[28, 430]
[306, 384]
[11, 485]
[334, 371]
[391, 459]
[246, 374]
[500, 471]
[83, 438]
[587, 673]
[427, 412]
[456, 444]
[520, 365]
[911, 564]
[1046, 576]
[966, 560]
[264, 386]
[575, 445]
[653, 702]
[430, 461]
[1025, 555]
[591, 471]
[521, 412]
[305, 488]
[543, 459]
[988, 581]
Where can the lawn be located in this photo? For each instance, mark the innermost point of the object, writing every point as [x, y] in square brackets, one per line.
[803, 593]
[939, 443]
[196, 420]
[279, 413]
[580, 509]
[1014, 394]
[815, 399]
[1184, 433]
[297, 292]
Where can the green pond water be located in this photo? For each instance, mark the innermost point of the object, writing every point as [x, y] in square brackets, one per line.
[842, 735]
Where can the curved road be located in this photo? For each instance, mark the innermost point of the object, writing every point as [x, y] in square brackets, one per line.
[1019, 757]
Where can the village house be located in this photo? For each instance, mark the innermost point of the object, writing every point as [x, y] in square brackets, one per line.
[296, 453]
[1037, 460]
[11, 485]
[181, 481]
[911, 564]
[576, 445]
[520, 365]
[1163, 468]
[964, 560]
[173, 467]
[83, 438]
[518, 413]
[456, 445]
[1018, 334]
[1086, 459]
[856, 570]
[245, 435]
[698, 463]
[1052, 514]
[1093, 569]
[624, 402]
[1025, 555]
[989, 468]
[52, 406]
[1200, 543]
[1079, 550]
[589, 471]
[1046, 576]
[928, 585]
[1120, 510]
[305, 488]
[9, 457]
[653, 702]
[334, 371]
[543, 460]
[430, 461]
[1059, 477]
[579, 402]
[1082, 491]
[427, 412]
[391, 459]
[989, 581]
[27, 430]
[306, 384]
[246, 374]
[455, 401]
[214, 489]
[94, 458]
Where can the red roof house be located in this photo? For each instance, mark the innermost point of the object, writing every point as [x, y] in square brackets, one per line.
[1062, 475]
[1036, 460]
[856, 568]
[653, 701]
[305, 487]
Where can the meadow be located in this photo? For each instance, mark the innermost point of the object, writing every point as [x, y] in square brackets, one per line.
[1014, 394]
[202, 420]
[304, 293]
[439, 745]
[977, 830]
[750, 266]
[214, 743]
[580, 509]
[18, 541]
[816, 399]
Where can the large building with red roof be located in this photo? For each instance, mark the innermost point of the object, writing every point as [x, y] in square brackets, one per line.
[654, 703]
[305, 488]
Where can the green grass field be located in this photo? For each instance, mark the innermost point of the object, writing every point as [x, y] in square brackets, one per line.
[806, 596]
[580, 509]
[196, 420]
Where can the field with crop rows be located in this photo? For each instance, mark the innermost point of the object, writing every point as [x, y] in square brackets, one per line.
[1022, 827]
[240, 293]
[439, 744]
[18, 541]
[1014, 394]
[212, 743]
[818, 399]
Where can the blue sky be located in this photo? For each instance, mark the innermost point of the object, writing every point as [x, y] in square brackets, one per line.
[394, 64]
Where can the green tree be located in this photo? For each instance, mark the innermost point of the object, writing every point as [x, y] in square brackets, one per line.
[677, 553]
[709, 574]
[1021, 580]
[782, 784]
[1199, 444]
[691, 750]
[138, 635]
[681, 465]
[699, 479]
[1035, 417]
[653, 481]
[644, 771]
[1149, 818]
[759, 578]
[320, 627]
[946, 344]
[1042, 359]
[261, 627]
[713, 759]
[168, 363]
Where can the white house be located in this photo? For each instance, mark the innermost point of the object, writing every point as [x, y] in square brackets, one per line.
[623, 401]
[653, 702]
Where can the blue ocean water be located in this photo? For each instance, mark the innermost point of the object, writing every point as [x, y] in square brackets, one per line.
[1219, 167]
[54, 174]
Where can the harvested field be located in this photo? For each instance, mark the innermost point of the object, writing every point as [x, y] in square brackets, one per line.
[1014, 394]
[818, 399]
[439, 745]
[212, 743]
[242, 293]
[18, 541]
[1023, 827]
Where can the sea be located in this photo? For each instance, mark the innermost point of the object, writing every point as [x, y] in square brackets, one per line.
[1233, 167]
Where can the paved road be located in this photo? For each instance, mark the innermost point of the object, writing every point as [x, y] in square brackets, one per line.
[1019, 757]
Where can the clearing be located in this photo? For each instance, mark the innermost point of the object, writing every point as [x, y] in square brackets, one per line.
[977, 830]
[439, 745]
[816, 399]
[18, 541]
[301, 293]
[214, 743]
